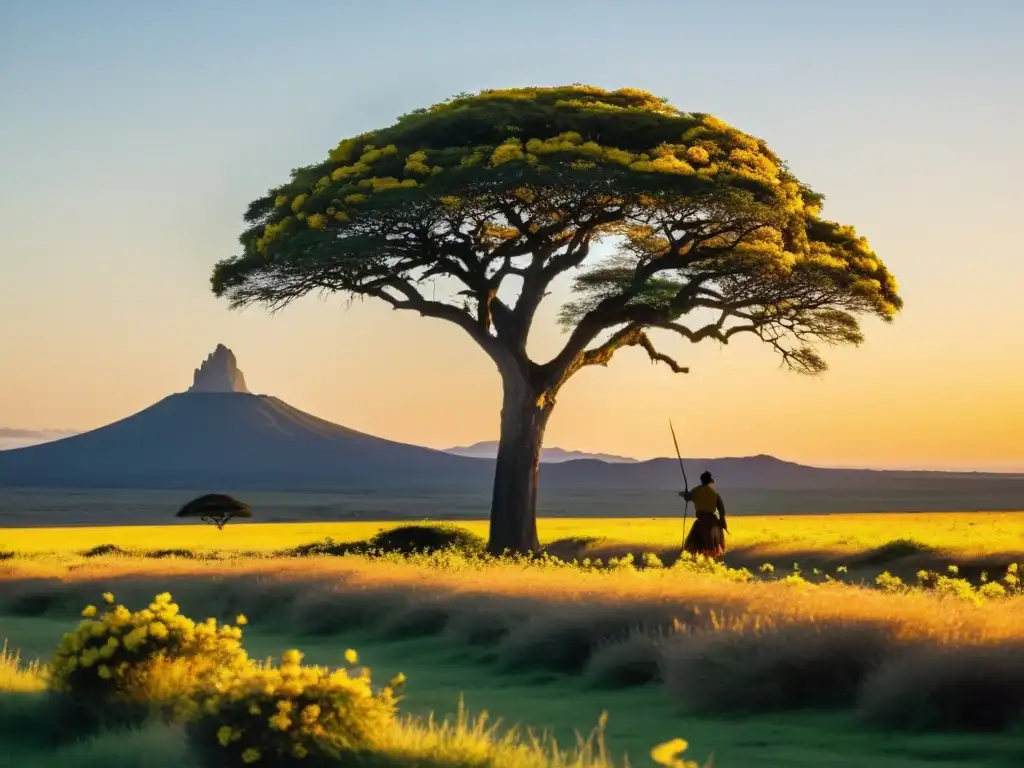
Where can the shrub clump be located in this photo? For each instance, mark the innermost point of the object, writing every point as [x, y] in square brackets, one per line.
[282, 715]
[117, 663]
[423, 539]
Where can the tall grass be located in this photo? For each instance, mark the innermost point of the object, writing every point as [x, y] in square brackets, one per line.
[17, 676]
[719, 642]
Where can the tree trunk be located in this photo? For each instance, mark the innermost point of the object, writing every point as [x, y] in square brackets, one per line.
[524, 416]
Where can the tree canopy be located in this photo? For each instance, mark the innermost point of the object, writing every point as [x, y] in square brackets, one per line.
[216, 509]
[712, 237]
[706, 217]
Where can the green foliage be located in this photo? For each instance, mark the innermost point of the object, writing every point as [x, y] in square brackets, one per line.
[409, 539]
[520, 182]
[401, 540]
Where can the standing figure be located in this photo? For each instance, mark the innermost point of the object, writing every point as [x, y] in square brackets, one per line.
[707, 535]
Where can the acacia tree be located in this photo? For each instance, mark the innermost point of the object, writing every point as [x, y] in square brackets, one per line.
[713, 237]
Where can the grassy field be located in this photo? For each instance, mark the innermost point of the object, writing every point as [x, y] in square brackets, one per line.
[34, 507]
[902, 542]
[970, 534]
[763, 669]
[639, 717]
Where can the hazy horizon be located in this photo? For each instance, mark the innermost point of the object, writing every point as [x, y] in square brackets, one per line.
[135, 135]
[23, 438]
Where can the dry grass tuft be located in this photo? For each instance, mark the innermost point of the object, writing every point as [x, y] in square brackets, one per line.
[637, 660]
[792, 666]
[17, 676]
[973, 688]
[721, 644]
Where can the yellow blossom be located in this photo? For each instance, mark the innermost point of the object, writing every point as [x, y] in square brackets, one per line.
[351, 657]
[698, 155]
[224, 735]
[511, 149]
[240, 619]
[108, 598]
[668, 753]
[89, 611]
[251, 755]
[292, 656]
[280, 721]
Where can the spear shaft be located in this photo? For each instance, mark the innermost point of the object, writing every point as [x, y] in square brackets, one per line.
[686, 484]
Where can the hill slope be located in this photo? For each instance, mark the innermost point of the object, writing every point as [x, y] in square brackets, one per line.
[234, 440]
[489, 450]
[240, 441]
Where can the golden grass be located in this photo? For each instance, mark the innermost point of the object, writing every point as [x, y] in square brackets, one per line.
[18, 677]
[968, 534]
[719, 644]
[915, 615]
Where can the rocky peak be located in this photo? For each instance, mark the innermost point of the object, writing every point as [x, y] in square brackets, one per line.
[219, 373]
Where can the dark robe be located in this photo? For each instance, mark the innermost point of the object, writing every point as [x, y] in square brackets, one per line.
[707, 534]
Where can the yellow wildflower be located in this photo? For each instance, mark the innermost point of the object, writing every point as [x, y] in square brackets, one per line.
[668, 753]
[310, 713]
[108, 598]
[280, 721]
[158, 630]
[103, 671]
[251, 755]
[240, 619]
[351, 657]
[292, 656]
[89, 611]
[224, 735]
[316, 221]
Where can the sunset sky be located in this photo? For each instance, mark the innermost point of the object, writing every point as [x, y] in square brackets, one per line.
[134, 135]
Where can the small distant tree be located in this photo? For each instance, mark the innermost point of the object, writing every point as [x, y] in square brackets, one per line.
[511, 188]
[216, 509]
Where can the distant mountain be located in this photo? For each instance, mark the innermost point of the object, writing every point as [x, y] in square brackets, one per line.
[553, 455]
[233, 440]
[219, 436]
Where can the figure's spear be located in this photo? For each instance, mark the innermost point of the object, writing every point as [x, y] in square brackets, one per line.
[686, 484]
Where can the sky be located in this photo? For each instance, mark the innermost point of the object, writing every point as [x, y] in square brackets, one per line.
[134, 135]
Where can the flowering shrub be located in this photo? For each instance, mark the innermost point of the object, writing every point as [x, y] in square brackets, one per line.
[119, 661]
[951, 584]
[281, 715]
